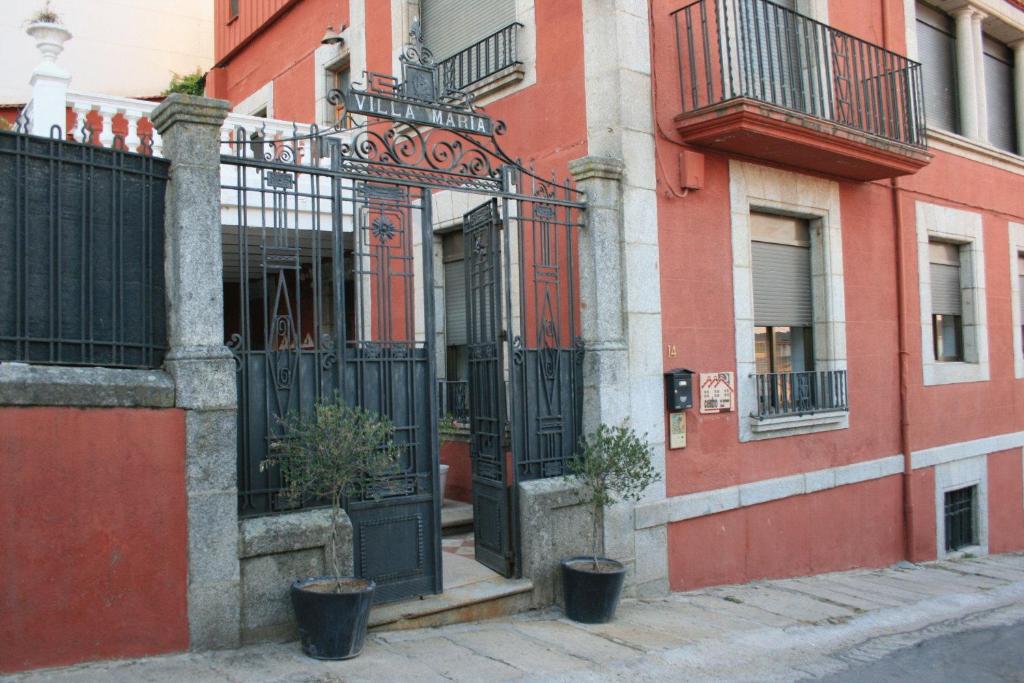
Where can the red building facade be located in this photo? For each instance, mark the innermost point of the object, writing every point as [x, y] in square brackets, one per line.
[734, 121]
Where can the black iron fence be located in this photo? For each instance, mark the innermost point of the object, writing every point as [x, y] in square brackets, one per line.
[782, 394]
[755, 49]
[81, 254]
[483, 58]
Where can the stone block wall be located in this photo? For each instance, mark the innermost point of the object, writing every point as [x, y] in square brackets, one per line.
[274, 551]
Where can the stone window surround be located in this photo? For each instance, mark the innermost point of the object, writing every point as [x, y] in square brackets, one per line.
[260, 99]
[984, 14]
[1016, 249]
[759, 188]
[496, 86]
[960, 474]
[965, 228]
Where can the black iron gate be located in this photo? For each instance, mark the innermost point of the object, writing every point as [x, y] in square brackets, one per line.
[491, 500]
[330, 291]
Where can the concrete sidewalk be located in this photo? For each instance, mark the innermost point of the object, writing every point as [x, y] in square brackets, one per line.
[772, 630]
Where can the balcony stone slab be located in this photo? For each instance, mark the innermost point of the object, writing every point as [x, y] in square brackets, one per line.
[750, 128]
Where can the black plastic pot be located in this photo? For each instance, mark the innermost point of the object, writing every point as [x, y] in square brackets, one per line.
[592, 596]
[332, 625]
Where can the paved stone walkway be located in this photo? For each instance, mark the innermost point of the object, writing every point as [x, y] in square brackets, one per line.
[773, 630]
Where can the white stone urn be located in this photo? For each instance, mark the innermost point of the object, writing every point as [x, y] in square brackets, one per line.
[50, 39]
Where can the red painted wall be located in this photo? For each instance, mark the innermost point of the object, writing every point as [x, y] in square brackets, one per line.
[455, 454]
[795, 536]
[1005, 497]
[697, 319]
[281, 51]
[93, 546]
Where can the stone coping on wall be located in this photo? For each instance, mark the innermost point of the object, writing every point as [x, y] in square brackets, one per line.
[288, 532]
[22, 384]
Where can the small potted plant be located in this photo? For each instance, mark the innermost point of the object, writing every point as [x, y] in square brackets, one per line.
[326, 455]
[612, 464]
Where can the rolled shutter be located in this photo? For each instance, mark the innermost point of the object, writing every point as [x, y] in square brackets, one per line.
[999, 95]
[946, 299]
[450, 26]
[936, 45]
[455, 303]
[782, 285]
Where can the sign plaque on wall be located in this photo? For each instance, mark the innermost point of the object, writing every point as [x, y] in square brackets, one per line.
[717, 392]
[677, 430]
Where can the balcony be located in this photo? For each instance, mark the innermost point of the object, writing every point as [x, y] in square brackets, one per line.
[484, 66]
[759, 80]
[797, 394]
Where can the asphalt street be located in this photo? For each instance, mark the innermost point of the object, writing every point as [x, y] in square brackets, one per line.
[987, 655]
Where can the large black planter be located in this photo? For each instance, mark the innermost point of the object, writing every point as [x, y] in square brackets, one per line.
[592, 596]
[332, 625]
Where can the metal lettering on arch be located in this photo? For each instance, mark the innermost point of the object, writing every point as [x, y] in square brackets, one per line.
[329, 243]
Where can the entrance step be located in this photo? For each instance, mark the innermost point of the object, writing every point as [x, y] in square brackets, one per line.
[488, 599]
[456, 517]
[471, 592]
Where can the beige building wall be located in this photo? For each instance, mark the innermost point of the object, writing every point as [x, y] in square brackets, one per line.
[129, 48]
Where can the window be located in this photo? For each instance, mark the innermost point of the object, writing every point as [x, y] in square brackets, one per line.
[789, 302]
[947, 301]
[339, 78]
[783, 312]
[232, 9]
[453, 391]
[953, 294]
[936, 44]
[1020, 291]
[998, 61]
[959, 512]
[450, 26]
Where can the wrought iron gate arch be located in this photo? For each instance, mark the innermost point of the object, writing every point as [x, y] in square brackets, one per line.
[330, 290]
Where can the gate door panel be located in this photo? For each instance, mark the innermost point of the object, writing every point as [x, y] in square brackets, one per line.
[388, 369]
[491, 499]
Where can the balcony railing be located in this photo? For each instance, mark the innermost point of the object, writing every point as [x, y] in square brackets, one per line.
[788, 394]
[480, 60]
[755, 49]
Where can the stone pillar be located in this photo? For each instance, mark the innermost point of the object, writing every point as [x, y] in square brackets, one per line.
[202, 368]
[606, 363]
[979, 74]
[620, 286]
[1018, 90]
[967, 81]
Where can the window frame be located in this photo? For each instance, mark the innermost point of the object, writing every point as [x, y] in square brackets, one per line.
[817, 201]
[965, 228]
[1016, 240]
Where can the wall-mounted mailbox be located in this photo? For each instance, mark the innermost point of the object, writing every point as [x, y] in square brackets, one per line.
[679, 389]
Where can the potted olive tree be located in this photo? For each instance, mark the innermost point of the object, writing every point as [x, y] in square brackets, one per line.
[326, 455]
[612, 464]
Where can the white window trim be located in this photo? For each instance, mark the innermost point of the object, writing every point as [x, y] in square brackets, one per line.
[1016, 247]
[966, 228]
[755, 187]
[326, 59]
[499, 85]
[260, 99]
[957, 475]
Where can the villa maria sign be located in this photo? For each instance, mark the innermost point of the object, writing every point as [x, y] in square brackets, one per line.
[413, 111]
